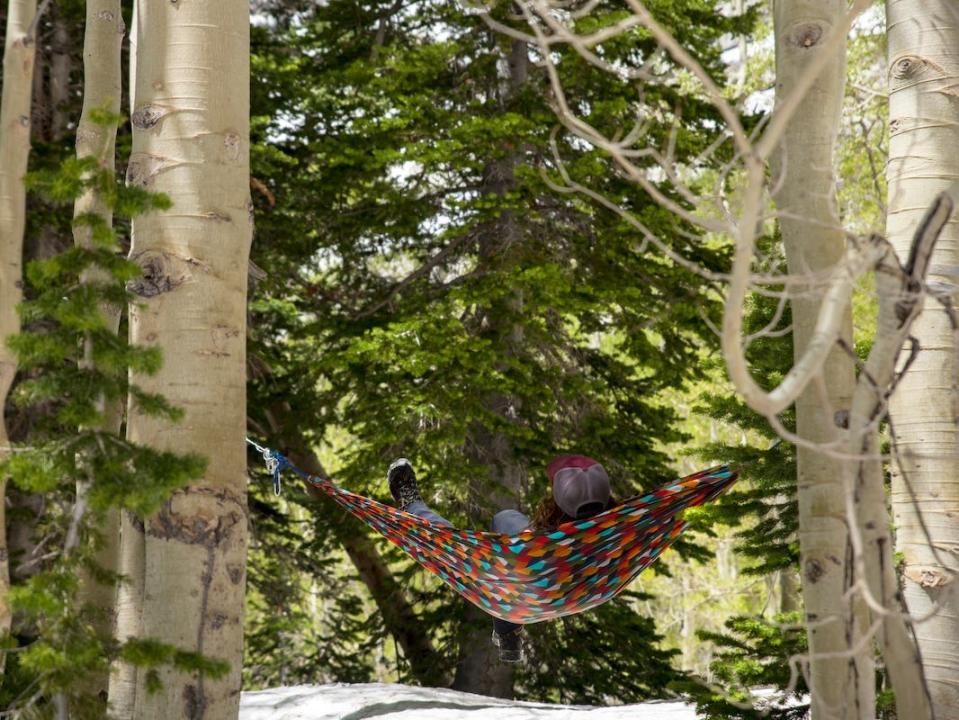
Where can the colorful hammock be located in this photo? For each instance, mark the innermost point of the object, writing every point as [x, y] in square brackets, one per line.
[536, 576]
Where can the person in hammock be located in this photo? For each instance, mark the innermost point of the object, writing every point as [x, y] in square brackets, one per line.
[580, 489]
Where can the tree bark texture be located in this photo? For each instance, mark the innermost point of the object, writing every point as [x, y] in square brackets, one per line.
[103, 37]
[841, 682]
[923, 37]
[60, 70]
[900, 290]
[131, 556]
[190, 110]
[18, 60]
[128, 616]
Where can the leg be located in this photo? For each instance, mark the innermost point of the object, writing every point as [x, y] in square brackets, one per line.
[421, 509]
[510, 522]
[506, 635]
[406, 492]
[505, 627]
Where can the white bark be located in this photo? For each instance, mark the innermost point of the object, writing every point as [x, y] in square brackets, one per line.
[103, 37]
[18, 58]
[129, 603]
[841, 684]
[923, 37]
[124, 678]
[191, 141]
[899, 288]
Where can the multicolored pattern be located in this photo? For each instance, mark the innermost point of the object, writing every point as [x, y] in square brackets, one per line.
[536, 576]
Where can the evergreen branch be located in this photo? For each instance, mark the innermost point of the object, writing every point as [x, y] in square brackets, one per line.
[423, 270]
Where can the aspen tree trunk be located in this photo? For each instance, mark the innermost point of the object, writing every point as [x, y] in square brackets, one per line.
[128, 616]
[479, 669]
[789, 591]
[842, 687]
[103, 37]
[191, 141]
[923, 38]
[131, 553]
[899, 289]
[18, 57]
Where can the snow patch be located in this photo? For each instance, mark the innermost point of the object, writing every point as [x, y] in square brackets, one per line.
[341, 701]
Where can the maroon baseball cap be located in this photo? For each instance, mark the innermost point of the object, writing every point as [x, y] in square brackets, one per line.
[580, 485]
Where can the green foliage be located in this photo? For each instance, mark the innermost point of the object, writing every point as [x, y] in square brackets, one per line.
[763, 509]
[756, 653]
[78, 367]
[763, 505]
[562, 649]
[147, 653]
[863, 148]
[429, 294]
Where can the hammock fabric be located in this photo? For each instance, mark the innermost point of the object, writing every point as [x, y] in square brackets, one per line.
[536, 576]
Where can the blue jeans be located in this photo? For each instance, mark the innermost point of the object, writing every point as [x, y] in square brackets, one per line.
[508, 522]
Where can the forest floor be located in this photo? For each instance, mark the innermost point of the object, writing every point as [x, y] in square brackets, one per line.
[342, 701]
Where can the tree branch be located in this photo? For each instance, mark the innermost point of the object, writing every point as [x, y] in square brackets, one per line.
[32, 28]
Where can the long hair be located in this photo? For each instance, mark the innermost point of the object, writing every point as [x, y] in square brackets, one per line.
[548, 515]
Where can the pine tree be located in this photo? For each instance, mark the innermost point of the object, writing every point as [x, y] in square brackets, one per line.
[378, 251]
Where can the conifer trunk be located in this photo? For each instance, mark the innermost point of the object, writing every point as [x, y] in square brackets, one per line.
[18, 60]
[427, 665]
[191, 142]
[399, 616]
[923, 40]
[842, 687]
[479, 669]
[103, 37]
[61, 65]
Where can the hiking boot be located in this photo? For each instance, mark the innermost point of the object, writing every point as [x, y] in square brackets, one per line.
[402, 482]
[510, 645]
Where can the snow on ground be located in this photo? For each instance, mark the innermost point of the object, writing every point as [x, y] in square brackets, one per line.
[342, 701]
